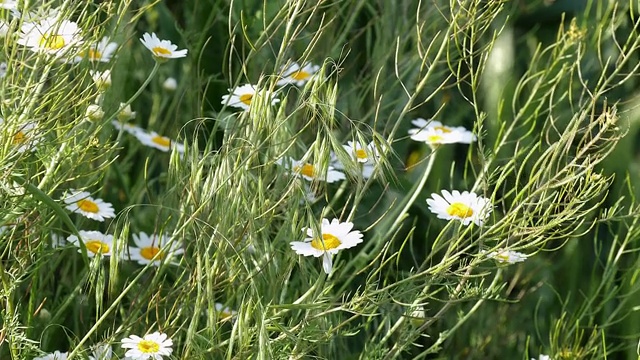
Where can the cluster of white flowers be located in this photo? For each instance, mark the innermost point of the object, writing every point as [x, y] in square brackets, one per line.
[149, 249]
[153, 346]
[243, 96]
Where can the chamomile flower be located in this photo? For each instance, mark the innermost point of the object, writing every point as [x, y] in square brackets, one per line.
[23, 137]
[152, 346]
[102, 79]
[153, 249]
[365, 155]
[50, 36]
[56, 355]
[242, 97]
[309, 171]
[294, 74]
[225, 313]
[102, 51]
[506, 256]
[126, 127]
[154, 140]
[434, 133]
[96, 242]
[102, 352]
[161, 49]
[466, 207]
[82, 203]
[334, 236]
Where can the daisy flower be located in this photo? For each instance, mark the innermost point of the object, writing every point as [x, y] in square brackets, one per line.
[154, 140]
[102, 51]
[161, 49]
[9, 4]
[434, 133]
[102, 352]
[225, 313]
[334, 237]
[294, 74]
[309, 171]
[506, 256]
[152, 346]
[82, 203]
[152, 249]
[56, 355]
[102, 79]
[129, 128]
[96, 242]
[242, 96]
[466, 207]
[50, 36]
[23, 137]
[364, 155]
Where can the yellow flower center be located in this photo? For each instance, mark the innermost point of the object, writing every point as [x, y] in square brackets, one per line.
[503, 256]
[19, 138]
[300, 75]
[148, 347]
[307, 170]
[160, 51]
[443, 129]
[161, 140]
[361, 154]
[97, 246]
[52, 41]
[88, 206]
[95, 54]
[460, 210]
[434, 138]
[150, 251]
[246, 98]
[224, 314]
[328, 242]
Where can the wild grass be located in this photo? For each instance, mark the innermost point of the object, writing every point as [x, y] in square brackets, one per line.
[550, 91]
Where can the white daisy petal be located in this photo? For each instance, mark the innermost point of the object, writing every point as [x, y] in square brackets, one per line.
[151, 346]
[334, 237]
[506, 256]
[161, 49]
[435, 133]
[310, 172]
[297, 75]
[466, 207]
[82, 203]
[153, 249]
[50, 36]
[96, 242]
[243, 96]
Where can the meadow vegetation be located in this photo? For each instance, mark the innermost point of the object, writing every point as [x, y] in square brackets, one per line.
[291, 179]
